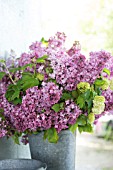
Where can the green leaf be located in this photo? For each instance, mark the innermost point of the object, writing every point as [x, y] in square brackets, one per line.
[17, 101]
[15, 138]
[44, 57]
[15, 95]
[86, 95]
[2, 74]
[1, 110]
[43, 40]
[13, 92]
[29, 83]
[56, 107]
[66, 96]
[41, 59]
[35, 132]
[93, 93]
[90, 104]
[12, 70]
[81, 120]
[49, 70]
[80, 102]
[2, 61]
[43, 110]
[53, 80]
[51, 135]
[80, 129]
[27, 74]
[26, 132]
[1, 115]
[73, 128]
[22, 68]
[61, 105]
[87, 128]
[98, 90]
[99, 82]
[45, 135]
[27, 65]
[75, 94]
[107, 71]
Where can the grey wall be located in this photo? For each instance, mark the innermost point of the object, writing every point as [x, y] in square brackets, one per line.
[19, 24]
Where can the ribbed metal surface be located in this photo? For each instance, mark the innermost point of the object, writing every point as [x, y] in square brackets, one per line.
[22, 164]
[60, 156]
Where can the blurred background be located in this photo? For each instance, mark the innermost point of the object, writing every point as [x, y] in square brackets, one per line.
[25, 21]
[88, 21]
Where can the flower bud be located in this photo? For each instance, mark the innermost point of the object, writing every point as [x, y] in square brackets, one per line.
[111, 84]
[91, 117]
[83, 86]
[99, 99]
[98, 105]
[105, 86]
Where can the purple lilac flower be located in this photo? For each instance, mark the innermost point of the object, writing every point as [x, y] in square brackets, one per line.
[109, 65]
[75, 49]
[36, 101]
[43, 98]
[66, 70]
[29, 115]
[57, 41]
[108, 94]
[70, 67]
[69, 115]
[2, 132]
[25, 140]
[95, 65]
[3, 127]
[4, 124]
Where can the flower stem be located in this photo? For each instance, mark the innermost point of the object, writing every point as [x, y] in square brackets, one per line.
[9, 74]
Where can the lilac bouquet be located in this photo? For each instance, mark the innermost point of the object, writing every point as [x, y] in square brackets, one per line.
[52, 88]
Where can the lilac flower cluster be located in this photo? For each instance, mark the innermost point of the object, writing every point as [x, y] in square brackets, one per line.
[95, 65]
[108, 94]
[35, 113]
[25, 59]
[109, 65]
[68, 69]
[3, 127]
[57, 41]
[45, 97]
[5, 118]
[67, 116]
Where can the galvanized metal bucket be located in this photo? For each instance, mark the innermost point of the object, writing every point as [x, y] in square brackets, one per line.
[10, 150]
[22, 164]
[60, 156]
